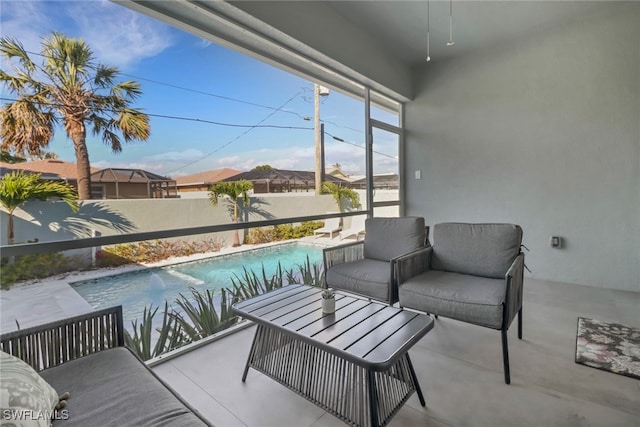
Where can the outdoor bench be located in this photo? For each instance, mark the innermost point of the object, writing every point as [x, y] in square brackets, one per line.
[108, 384]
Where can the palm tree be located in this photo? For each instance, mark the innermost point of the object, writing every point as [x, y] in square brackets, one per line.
[17, 187]
[234, 190]
[71, 89]
[8, 158]
[339, 192]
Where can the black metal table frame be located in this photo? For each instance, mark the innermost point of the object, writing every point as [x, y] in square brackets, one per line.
[357, 394]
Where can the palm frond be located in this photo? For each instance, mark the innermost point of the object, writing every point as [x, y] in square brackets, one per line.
[74, 90]
[11, 48]
[25, 127]
[133, 124]
[17, 187]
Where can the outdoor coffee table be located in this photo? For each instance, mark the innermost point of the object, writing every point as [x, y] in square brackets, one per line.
[353, 363]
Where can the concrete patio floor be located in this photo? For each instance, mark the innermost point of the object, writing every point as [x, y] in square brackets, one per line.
[459, 367]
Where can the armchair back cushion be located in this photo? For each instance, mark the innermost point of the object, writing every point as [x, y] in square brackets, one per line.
[387, 238]
[485, 250]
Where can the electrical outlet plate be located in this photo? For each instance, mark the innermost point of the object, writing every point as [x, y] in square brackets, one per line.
[556, 241]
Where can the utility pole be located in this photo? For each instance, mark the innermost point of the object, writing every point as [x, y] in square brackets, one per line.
[318, 91]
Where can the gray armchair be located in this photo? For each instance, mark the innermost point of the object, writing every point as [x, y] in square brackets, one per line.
[367, 267]
[472, 273]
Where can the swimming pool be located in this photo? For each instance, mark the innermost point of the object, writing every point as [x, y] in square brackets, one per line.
[137, 290]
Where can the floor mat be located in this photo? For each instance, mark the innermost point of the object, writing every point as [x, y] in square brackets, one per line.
[608, 346]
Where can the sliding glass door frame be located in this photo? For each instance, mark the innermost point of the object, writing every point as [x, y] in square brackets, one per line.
[370, 125]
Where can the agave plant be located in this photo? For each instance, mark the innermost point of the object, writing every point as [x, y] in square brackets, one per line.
[201, 315]
[249, 284]
[198, 317]
[309, 274]
[145, 343]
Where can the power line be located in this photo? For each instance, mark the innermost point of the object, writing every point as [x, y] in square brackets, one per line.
[227, 98]
[360, 146]
[237, 137]
[230, 124]
[249, 127]
[165, 116]
[200, 92]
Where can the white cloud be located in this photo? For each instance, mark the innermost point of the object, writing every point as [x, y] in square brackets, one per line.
[299, 158]
[22, 21]
[157, 163]
[177, 163]
[188, 155]
[351, 159]
[119, 36]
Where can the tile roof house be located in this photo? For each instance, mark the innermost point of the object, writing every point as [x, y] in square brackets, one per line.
[201, 181]
[66, 171]
[111, 183]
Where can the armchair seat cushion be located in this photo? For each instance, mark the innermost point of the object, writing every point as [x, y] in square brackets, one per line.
[367, 277]
[471, 299]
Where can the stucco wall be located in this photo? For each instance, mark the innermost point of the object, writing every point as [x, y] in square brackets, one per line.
[543, 132]
[50, 221]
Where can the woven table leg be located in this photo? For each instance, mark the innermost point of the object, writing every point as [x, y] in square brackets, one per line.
[354, 394]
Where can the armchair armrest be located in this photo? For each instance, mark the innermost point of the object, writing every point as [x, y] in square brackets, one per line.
[347, 252]
[54, 343]
[514, 282]
[412, 264]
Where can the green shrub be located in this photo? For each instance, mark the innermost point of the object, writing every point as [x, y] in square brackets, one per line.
[37, 266]
[282, 232]
[152, 251]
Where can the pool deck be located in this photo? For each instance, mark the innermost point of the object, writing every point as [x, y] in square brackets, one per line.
[34, 303]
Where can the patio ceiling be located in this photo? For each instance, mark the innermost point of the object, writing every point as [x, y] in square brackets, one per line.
[351, 44]
[400, 26]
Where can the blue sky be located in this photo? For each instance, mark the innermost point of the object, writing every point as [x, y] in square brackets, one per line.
[185, 76]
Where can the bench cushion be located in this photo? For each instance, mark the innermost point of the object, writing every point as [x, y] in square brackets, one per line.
[113, 387]
[485, 250]
[467, 298]
[388, 238]
[367, 277]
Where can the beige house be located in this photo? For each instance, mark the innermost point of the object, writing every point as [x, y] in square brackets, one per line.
[201, 181]
[50, 169]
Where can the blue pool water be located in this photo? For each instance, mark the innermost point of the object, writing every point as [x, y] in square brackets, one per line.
[137, 290]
